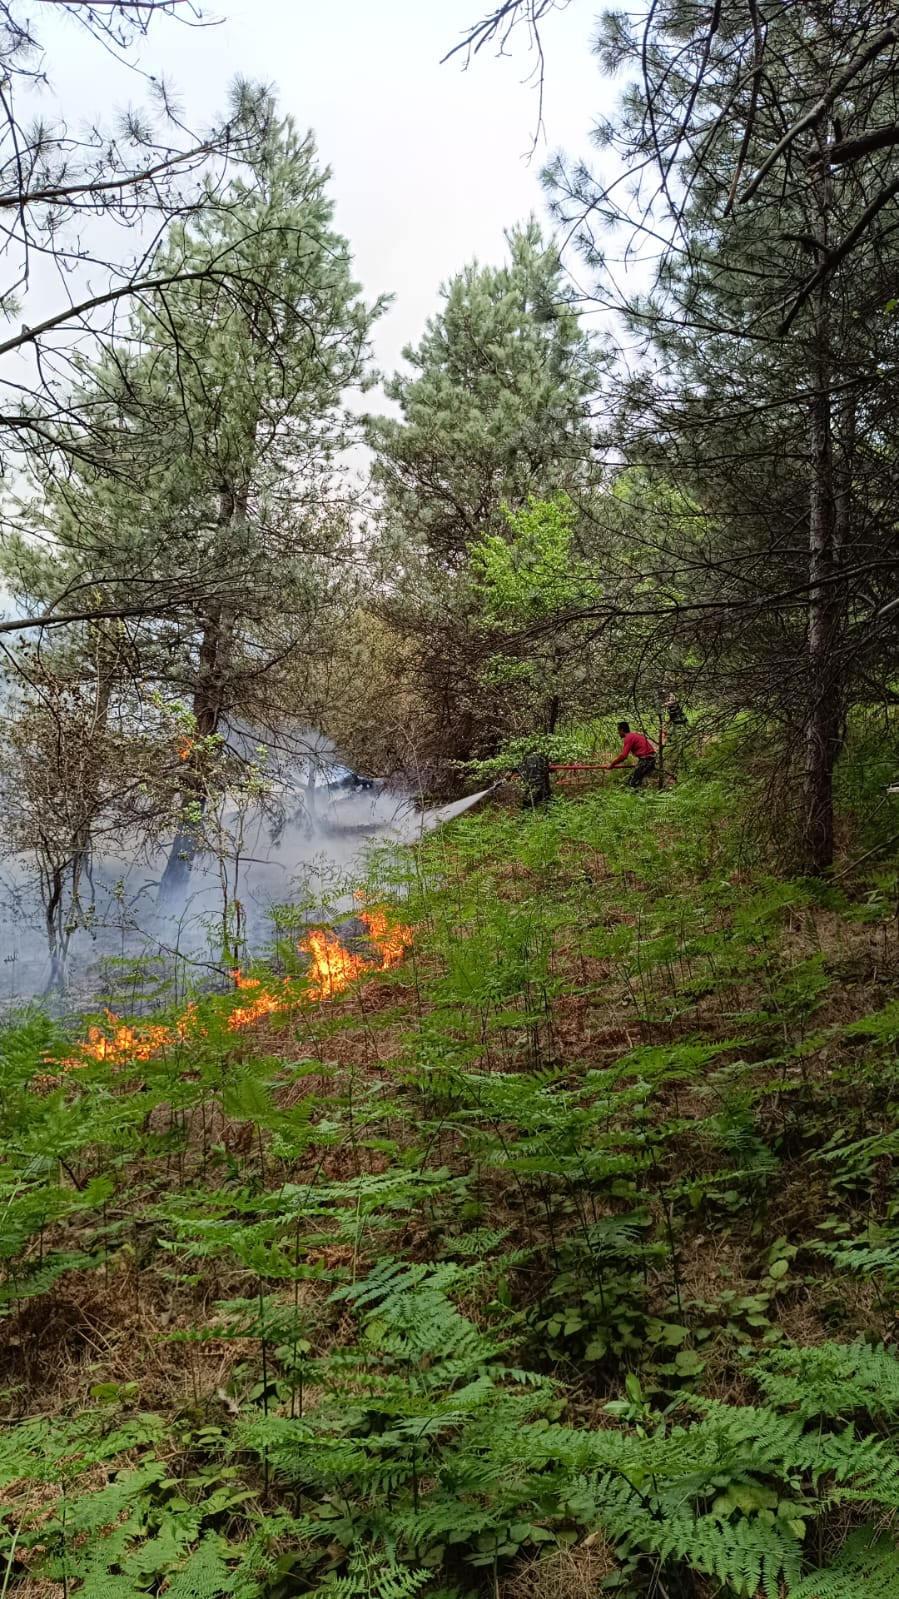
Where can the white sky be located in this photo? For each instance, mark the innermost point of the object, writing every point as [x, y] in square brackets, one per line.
[430, 162]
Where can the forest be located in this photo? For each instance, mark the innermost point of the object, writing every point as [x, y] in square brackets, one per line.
[439, 1157]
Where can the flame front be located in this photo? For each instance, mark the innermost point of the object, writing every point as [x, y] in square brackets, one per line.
[263, 1003]
[390, 942]
[122, 1043]
[332, 969]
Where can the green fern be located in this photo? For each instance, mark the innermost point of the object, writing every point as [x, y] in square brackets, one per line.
[833, 1380]
[54, 1451]
[750, 1555]
[881, 1026]
[867, 1257]
[375, 1577]
[39, 1277]
[867, 1567]
[206, 1574]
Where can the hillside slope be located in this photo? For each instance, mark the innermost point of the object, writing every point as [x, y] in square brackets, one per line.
[559, 1257]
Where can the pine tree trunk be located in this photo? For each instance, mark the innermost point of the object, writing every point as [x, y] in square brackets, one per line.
[61, 880]
[207, 707]
[823, 715]
[825, 702]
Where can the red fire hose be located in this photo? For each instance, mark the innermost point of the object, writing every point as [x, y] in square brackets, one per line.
[567, 766]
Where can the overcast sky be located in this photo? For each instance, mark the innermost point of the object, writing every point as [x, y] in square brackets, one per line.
[430, 162]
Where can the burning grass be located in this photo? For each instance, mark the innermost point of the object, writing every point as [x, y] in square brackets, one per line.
[332, 969]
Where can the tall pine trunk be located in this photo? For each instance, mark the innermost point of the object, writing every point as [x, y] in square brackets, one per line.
[61, 879]
[824, 708]
[207, 707]
[824, 698]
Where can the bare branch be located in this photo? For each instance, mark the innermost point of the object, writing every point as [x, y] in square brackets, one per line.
[499, 24]
[883, 40]
[833, 257]
[129, 180]
[843, 151]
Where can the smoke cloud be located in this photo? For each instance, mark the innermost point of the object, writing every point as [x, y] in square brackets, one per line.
[277, 864]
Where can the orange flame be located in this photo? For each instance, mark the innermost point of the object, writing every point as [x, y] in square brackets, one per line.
[332, 969]
[239, 981]
[124, 1043]
[390, 942]
[186, 1023]
[262, 1004]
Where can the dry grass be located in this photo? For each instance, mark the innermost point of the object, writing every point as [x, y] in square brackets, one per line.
[574, 1573]
[116, 1328]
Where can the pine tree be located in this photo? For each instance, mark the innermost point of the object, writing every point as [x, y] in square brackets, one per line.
[496, 409]
[497, 406]
[222, 416]
[760, 204]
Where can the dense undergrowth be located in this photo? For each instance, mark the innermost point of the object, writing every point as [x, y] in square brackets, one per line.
[560, 1260]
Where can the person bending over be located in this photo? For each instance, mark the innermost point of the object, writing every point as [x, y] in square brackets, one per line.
[638, 745]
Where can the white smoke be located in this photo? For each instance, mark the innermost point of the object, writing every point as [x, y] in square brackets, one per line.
[302, 849]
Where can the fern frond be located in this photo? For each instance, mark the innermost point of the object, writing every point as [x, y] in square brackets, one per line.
[832, 1379]
[375, 1576]
[748, 1554]
[206, 1575]
[879, 1252]
[867, 1567]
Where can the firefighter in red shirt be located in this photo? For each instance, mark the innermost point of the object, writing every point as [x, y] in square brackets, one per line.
[639, 745]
